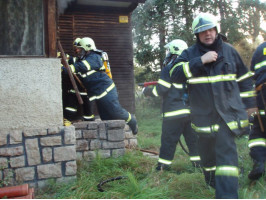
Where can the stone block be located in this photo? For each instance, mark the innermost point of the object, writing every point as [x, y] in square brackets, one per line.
[104, 153]
[51, 141]
[89, 155]
[102, 131]
[133, 143]
[78, 134]
[3, 138]
[47, 154]
[95, 144]
[65, 153]
[82, 145]
[33, 152]
[34, 132]
[49, 171]
[71, 168]
[118, 152]
[115, 124]
[79, 155]
[17, 161]
[11, 151]
[113, 145]
[25, 174]
[3, 163]
[15, 137]
[116, 135]
[81, 125]
[54, 130]
[67, 179]
[90, 134]
[69, 135]
[92, 125]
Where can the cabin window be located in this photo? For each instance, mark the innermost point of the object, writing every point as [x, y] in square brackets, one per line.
[22, 28]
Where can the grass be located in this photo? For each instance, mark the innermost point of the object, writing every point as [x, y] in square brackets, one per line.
[142, 181]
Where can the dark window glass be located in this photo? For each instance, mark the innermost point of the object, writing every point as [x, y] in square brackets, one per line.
[21, 27]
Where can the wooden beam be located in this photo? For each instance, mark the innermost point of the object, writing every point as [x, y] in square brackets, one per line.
[51, 28]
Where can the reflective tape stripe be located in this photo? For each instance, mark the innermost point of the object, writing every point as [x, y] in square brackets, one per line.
[178, 86]
[85, 62]
[167, 162]
[129, 118]
[248, 94]
[87, 74]
[262, 112]
[88, 117]
[259, 65]
[186, 70]
[234, 125]
[164, 83]
[81, 93]
[195, 158]
[154, 92]
[72, 68]
[104, 93]
[175, 113]
[71, 109]
[257, 142]
[102, 68]
[245, 76]
[208, 129]
[212, 79]
[208, 169]
[227, 171]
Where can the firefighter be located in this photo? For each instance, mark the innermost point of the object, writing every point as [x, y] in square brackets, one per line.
[99, 85]
[214, 70]
[257, 137]
[175, 112]
[71, 108]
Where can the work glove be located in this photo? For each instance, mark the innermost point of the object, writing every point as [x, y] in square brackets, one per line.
[147, 91]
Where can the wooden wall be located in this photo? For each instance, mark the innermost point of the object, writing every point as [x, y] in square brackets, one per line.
[109, 35]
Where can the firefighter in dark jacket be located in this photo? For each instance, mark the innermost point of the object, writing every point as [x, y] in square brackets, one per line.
[71, 108]
[214, 72]
[257, 137]
[99, 86]
[175, 112]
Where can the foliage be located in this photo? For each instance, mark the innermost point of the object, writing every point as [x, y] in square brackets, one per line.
[157, 22]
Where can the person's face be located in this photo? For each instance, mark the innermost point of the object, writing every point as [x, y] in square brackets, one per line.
[207, 37]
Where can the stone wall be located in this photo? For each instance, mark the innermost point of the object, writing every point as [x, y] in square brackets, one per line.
[34, 156]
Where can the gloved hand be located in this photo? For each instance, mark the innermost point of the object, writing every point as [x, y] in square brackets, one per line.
[147, 91]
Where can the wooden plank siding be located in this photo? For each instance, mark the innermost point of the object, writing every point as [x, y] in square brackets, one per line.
[109, 35]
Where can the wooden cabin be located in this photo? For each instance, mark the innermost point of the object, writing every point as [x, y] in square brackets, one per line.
[108, 23]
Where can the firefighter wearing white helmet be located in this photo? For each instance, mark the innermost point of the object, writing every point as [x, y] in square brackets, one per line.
[99, 85]
[175, 112]
[219, 91]
[71, 109]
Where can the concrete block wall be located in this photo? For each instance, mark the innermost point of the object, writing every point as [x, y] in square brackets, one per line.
[34, 156]
[105, 138]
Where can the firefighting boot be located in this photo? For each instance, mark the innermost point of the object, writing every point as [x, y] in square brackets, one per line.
[257, 171]
[209, 178]
[163, 167]
[133, 124]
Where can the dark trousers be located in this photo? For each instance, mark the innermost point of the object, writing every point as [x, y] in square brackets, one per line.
[171, 132]
[220, 151]
[109, 108]
[258, 151]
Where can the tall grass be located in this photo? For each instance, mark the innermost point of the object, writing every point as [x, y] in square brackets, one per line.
[141, 180]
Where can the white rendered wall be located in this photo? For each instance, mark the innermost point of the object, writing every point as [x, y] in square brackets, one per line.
[30, 93]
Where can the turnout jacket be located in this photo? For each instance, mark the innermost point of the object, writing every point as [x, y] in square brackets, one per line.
[93, 76]
[258, 67]
[215, 89]
[174, 106]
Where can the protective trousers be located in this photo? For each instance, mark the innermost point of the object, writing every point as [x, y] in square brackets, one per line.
[171, 132]
[219, 157]
[109, 108]
[257, 140]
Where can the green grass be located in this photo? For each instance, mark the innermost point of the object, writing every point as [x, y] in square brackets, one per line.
[142, 181]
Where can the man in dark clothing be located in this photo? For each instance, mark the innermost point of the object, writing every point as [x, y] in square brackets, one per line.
[175, 112]
[99, 86]
[257, 138]
[213, 70]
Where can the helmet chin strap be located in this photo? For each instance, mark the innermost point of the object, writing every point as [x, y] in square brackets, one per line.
[81, 55]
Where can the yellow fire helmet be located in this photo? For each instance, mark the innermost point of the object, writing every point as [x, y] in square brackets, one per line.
[87, 44]
[203, 22]
[176, 46]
